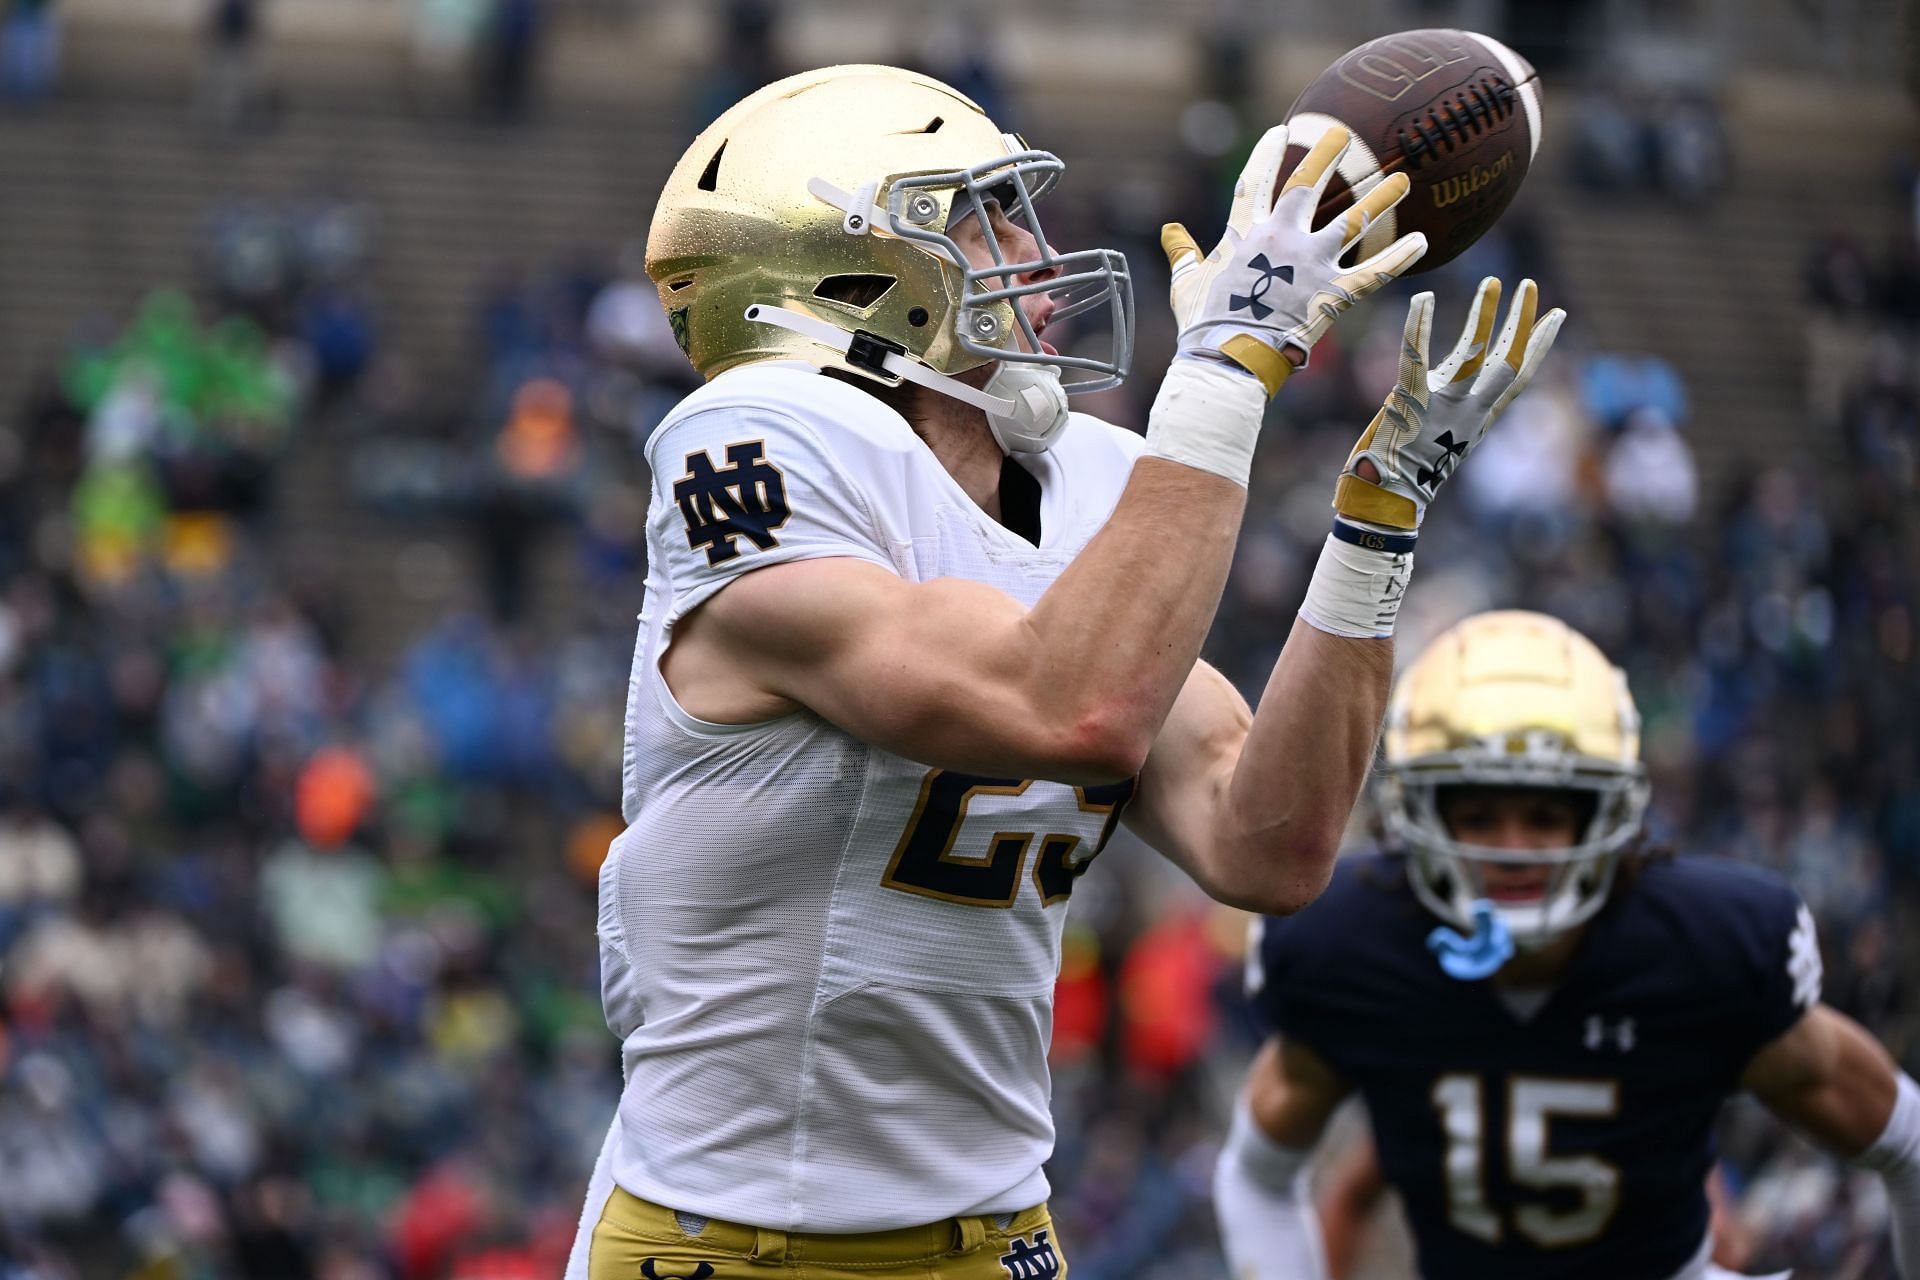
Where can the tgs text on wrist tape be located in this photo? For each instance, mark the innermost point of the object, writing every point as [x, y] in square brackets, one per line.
[1356, 590]
[1207, 416]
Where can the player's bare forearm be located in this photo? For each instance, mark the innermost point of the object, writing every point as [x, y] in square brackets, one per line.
[1253, 806]
[1255, 811]
[1301, 768]
[1828, 1078]
[1120, 630]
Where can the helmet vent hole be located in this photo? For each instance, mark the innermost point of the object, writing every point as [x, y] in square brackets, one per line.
[710, 176]
[917, 317]
[677, 285]
[931, 126]
[860, 290]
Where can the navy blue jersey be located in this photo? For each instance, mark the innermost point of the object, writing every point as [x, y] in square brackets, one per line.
[1573, 1144]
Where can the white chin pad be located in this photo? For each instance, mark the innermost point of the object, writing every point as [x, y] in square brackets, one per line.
[1039, 407]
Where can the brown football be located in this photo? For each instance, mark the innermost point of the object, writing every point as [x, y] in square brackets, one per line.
[1457, 112]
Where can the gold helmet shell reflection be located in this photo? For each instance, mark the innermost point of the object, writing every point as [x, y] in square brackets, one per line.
[1498, 679]
[748, 216]
[1513, 699]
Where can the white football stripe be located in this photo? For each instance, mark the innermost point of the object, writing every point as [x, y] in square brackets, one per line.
[1359, 166]
[1529, 91]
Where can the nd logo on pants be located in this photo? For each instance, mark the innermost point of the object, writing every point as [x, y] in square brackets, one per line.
[700, 1271]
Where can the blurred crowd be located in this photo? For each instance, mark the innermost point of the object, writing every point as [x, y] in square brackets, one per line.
[296, 948]
[296, 957]
[1671, 142]
[484, 53]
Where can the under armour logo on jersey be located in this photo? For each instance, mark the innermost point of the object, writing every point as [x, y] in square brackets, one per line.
[1450, 454]
[1251, 298]
[1600, 1035]
[701, 1270]
[1803, 959]
[745, 499]
[1031, 1260]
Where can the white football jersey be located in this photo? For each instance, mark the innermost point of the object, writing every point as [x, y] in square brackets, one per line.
[831, 967]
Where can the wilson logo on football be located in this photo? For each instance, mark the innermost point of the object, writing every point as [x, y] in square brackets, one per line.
[1452, 190]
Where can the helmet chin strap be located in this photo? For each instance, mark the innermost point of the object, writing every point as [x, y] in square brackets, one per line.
[1039, 407]
[1026, 405]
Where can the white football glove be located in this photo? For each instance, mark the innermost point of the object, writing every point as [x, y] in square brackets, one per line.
[1430, 421]
[1274, 282]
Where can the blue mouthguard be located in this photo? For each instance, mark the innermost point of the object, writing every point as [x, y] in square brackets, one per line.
[1472, 958]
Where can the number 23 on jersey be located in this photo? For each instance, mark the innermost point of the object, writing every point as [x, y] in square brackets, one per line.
[938, 858]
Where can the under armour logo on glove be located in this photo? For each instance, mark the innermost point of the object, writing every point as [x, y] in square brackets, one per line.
[1450, 454]
[1430, 421]
[701, 1271]
[1035, 1260]
[1251, 298]
[1255, 320]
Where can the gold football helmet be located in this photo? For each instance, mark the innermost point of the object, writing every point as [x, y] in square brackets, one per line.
[1513, 699]
[812, 221]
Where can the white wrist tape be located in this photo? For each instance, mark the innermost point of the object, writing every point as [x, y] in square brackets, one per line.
[1268, 1224]
[1207, 416]
[1264, 1161]
[1356, 591]
[1895, 1156]
[1897, 1149]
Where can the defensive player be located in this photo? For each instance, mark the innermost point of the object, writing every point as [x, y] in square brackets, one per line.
[915, 636]
[1542, 1016]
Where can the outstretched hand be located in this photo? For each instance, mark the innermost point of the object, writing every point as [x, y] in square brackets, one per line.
[1432, 420]
[1274, 284]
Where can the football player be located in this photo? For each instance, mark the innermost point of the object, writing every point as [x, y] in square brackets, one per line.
[915, 636]
[1542, 1014]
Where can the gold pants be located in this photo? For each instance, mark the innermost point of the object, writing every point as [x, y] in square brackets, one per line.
[636, 1239]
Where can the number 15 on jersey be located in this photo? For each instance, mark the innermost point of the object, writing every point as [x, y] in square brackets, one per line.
[1532, 1102]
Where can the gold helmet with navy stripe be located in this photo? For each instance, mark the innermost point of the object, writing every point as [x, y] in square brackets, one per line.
[812, 221]
[1513, 699]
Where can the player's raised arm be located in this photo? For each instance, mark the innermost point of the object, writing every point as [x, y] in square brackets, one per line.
[961, 675]
[1254, 805]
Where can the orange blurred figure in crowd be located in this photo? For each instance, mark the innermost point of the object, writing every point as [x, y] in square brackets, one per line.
[332, 797]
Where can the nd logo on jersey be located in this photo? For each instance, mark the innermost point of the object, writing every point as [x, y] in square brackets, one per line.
[747, 498]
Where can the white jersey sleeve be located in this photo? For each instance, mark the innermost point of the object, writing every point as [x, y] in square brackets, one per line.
[739, 487]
